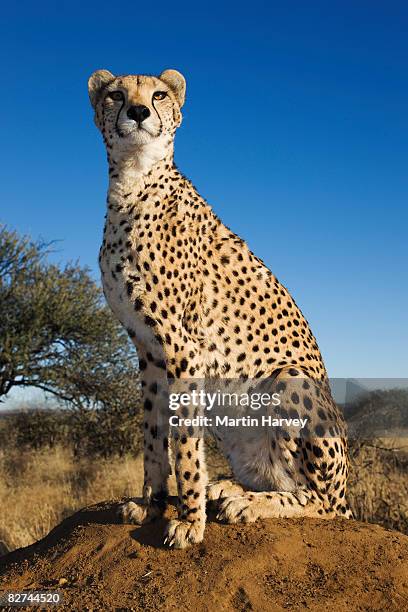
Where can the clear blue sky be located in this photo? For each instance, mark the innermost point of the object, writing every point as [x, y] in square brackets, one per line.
[295, 130]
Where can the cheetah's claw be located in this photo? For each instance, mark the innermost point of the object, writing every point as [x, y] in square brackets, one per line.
[180, 534]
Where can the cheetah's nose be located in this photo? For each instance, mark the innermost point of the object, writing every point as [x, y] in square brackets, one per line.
[138, 113]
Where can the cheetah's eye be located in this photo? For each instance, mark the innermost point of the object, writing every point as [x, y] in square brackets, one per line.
[159, 95]
[116, 95]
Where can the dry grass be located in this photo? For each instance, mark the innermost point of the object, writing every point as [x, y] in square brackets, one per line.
[378, 482]
[40, 488]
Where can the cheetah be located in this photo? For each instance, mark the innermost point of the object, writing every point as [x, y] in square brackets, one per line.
[199, 305]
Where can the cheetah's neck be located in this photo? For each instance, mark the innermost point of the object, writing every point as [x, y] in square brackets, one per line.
[130, 178]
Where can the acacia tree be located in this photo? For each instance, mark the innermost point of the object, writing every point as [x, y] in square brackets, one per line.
[57, 334]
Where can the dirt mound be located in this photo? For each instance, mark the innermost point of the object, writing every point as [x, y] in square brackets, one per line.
[97, 563]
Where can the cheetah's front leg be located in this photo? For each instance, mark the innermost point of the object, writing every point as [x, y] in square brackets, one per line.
[156, 445]
[191, 475]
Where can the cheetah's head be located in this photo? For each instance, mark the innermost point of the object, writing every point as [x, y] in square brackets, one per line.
[137, 113]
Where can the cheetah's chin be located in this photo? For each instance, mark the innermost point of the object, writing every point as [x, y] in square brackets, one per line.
[136, 135]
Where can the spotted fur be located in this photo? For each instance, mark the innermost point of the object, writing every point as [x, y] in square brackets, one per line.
[197, 303]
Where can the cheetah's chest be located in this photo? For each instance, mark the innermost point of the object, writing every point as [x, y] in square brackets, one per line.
[123, 281]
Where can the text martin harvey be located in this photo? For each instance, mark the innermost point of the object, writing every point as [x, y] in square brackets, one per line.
[245, 421]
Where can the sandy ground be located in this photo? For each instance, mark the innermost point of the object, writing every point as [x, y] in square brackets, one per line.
[98, 564]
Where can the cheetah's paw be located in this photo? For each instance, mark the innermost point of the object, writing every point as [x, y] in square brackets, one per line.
[242, 509]
[180, 534]
[137, 513]
[223, 489]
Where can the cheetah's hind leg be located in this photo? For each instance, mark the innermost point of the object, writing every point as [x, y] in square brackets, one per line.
[251, 506]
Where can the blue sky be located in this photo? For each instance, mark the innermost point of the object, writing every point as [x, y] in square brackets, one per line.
[295, 130]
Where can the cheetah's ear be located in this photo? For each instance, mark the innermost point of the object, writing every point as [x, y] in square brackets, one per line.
[97, 81]
[177, 84]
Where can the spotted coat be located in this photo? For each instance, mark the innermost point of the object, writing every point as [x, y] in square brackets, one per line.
[198, 305]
